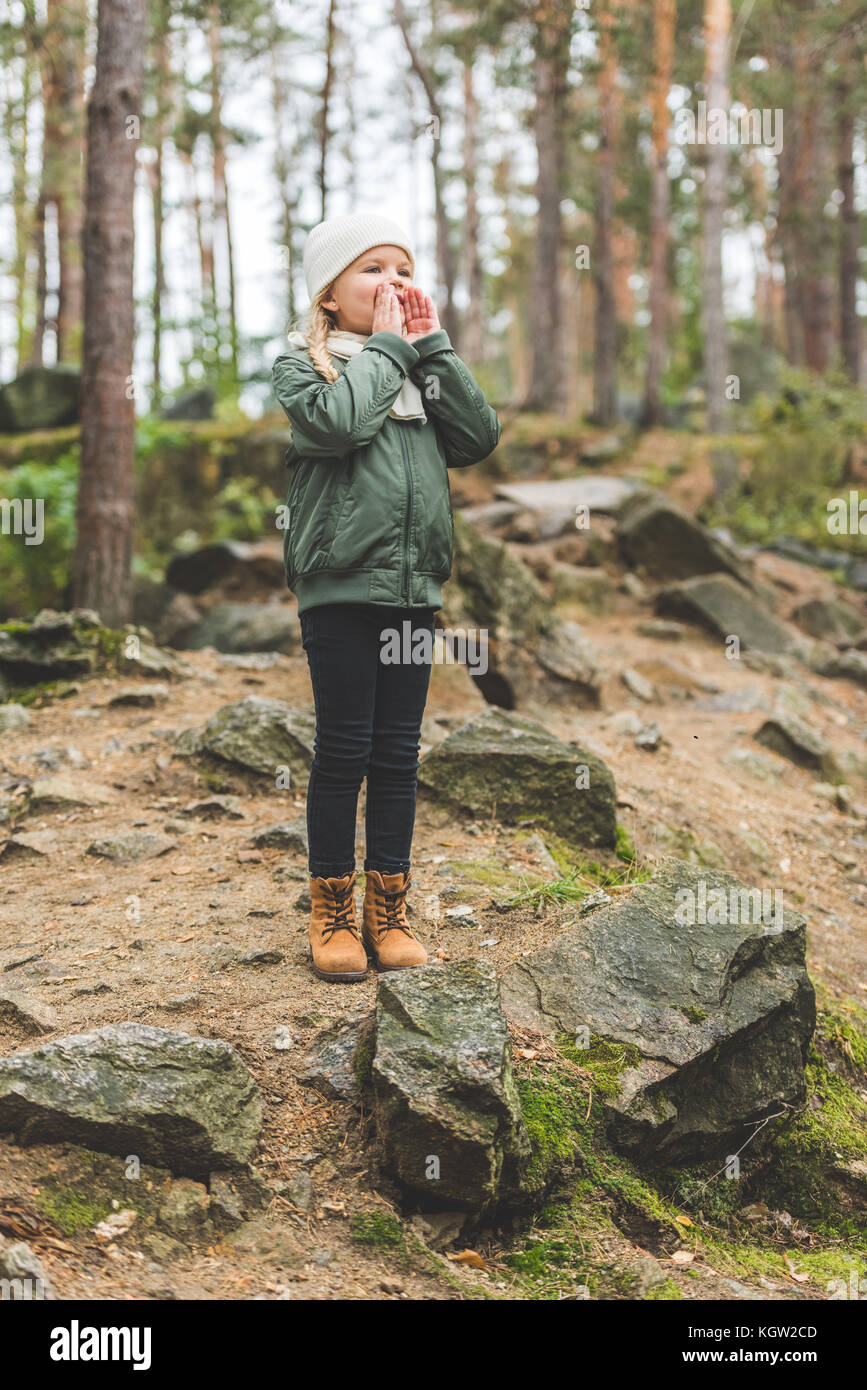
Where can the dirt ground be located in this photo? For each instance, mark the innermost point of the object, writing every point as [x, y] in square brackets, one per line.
[103, 942]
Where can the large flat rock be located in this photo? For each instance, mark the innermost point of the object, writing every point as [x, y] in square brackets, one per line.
[719, 1012]
[178, 1101]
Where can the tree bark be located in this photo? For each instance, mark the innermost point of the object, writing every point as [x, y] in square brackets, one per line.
[445, 256]
[717, 28]
[665, 12]
[850, 344]
[106, 501]
[550, 68]
[473, 331]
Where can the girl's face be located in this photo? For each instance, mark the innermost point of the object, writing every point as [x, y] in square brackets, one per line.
[351, 296]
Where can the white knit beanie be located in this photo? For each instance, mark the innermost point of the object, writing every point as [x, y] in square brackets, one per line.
[333, 245]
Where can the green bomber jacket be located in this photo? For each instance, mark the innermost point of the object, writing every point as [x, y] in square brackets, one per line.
[368, 514]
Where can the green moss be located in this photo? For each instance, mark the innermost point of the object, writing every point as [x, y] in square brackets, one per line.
[377, 1228]
[694, 1013]
[69, 1211]
[364, 1062]
[668, 1292]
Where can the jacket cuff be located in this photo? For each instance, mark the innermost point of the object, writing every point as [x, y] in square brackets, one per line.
[438, 341]
[402, 353]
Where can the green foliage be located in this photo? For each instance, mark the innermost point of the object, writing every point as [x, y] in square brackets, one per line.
[799, 459]
[36, 576]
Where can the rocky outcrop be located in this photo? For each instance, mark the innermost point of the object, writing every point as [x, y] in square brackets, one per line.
[703, 984]
[448, 1118]
[259, 734]
[530, 654]
[506, 765]
[182, 1102]
[62, 646]
[724, 608]
[659, 538]
[41, 398]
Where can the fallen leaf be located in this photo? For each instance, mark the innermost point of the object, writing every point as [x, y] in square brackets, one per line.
[469, 1257]
[182, 868]
[682, 1257]
[683, 1220]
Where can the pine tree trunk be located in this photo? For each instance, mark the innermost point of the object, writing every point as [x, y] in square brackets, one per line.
[850, 346]
[473, 331]
[665, 12]
[605, 335]
[717, 28]
[106, 502]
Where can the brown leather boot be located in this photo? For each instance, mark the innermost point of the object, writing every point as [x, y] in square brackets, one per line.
[385, 930]
[338, 951]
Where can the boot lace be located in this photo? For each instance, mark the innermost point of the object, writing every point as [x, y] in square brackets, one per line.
[393, 902]
[340, 907]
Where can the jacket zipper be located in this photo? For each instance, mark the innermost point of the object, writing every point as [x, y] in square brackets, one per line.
[408, 518]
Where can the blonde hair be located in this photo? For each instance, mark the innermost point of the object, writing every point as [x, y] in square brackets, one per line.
[317, 325]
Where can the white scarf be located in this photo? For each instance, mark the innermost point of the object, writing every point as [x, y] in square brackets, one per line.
[342, 343]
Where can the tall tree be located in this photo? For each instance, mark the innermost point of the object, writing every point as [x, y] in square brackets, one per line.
[717, 28]
[446, 270]
[605, 336]
[106, 503]
[664, 16]
[850, 343]
[552, 32]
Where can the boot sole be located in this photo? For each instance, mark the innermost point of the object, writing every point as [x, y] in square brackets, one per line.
[342, 976]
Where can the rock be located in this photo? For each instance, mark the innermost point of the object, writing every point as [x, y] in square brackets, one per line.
[439, 1228]
[195, 404]
[721, 606]
[66, 794]
[41, 398]
[290, 834]
[448, 1118]
[792, 738]
[511, 763]
[250, 661]
[26, 1015]
[210, 565]
[658, 537]
[299, 1190]
[337, 1064]
[185, 1211]
[565, 653]
[663, 630]
[215, 808]
[61, 646]
[28, 1281]
[714, 1017]
[744, 701]
[131, 845]
[594, 491]
[490, 516]
[496, 597]
[248, 627]
[821, 558]
[753, 763]
[141, 696]
[850, 665]
[181, 1102]
[260, 734]
[638, 685]
[32, 844]
[13, 717]
[587, 585]
[261, 955]
[829, 620]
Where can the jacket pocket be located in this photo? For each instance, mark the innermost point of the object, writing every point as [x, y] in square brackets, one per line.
[318, 504]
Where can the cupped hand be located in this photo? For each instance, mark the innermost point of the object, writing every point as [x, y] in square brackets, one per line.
[388, 312]
[419, 312]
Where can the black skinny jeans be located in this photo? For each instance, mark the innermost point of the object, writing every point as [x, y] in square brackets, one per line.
[368, 723]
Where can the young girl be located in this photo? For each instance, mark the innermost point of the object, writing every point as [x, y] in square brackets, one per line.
[380, 406]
